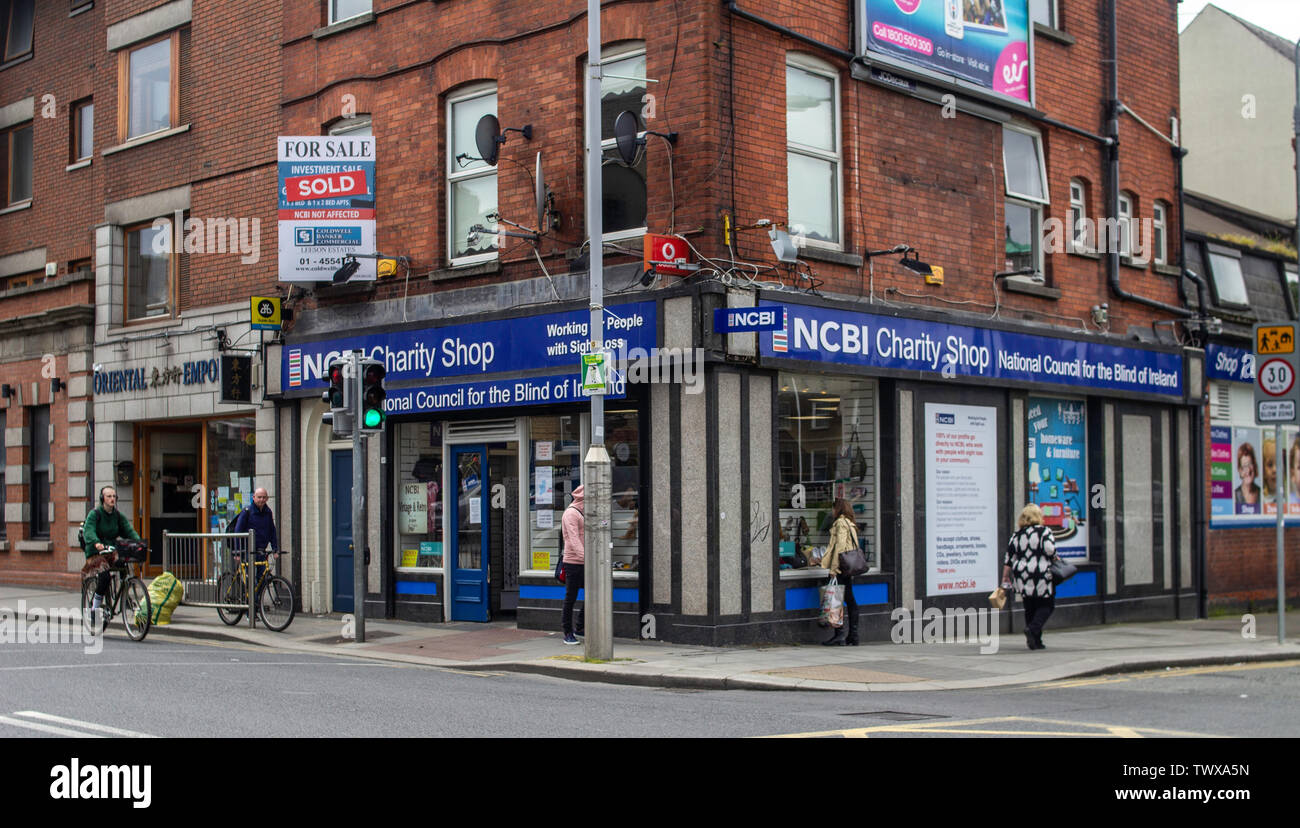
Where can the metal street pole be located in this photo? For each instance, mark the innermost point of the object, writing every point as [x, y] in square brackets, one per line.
[1281, 542]
[1281, 552]
[358, 500]
[598, 581]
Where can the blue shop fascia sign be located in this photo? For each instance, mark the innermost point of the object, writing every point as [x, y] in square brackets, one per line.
[421, 357]
[842, 337]
[1223, 362]
[196, 372]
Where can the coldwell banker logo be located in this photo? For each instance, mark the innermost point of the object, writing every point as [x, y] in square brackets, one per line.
[781, 338]
[945, 419]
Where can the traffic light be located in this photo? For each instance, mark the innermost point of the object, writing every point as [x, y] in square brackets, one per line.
[338, 399]
[372, 395]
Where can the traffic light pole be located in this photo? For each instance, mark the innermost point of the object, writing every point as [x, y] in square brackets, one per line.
[358, 500]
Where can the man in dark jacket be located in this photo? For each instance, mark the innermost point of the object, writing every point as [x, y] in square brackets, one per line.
[259, 519]
[105, 526]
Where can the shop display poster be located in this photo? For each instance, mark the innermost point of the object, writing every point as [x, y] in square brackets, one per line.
[961, 450]
[1058, 471]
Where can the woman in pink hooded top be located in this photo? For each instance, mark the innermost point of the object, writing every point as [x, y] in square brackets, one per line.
[572, 525]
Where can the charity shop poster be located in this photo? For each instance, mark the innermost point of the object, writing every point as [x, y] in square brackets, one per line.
[961, 499]
[1058, 470]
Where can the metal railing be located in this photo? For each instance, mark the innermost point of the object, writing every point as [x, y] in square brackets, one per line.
[199, 559]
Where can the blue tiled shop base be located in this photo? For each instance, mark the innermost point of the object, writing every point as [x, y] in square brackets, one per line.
[1081, 585]
[810, 597]
[556, 593]
[417, 588]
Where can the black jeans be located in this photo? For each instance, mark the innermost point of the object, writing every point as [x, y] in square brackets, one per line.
[574, 575]
[850, 607]
[1037, 611]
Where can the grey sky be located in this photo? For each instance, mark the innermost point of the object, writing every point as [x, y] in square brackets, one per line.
[1281, 17]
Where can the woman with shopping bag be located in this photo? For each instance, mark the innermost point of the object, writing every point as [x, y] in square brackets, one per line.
[1030, 554]
[844, 560]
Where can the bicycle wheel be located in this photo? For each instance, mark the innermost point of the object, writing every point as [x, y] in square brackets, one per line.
[275, 603]
[93, 624]
[136, 609]
[230, 591]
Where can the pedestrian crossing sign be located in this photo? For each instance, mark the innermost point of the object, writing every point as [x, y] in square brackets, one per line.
[593, 374]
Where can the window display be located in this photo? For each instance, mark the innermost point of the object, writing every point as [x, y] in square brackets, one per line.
[419, 496]
[554, 471]
[826, 450]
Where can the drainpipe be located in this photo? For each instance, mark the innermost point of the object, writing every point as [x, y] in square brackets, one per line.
[1179, 154]
[1113, 108]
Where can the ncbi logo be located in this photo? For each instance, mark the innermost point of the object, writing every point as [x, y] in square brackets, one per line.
[945, 419]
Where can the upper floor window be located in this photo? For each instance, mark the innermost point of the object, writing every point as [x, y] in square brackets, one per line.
[150, 270]
[356, 125]
[2, 473]
[1225, 273]
[1124, 228]
[347, 9]
[1043, 11]
[83, 130]
[16, 144]
[149, 88]
[1026, 195]
[812, 136]
[1080, 237]
[471, 181]
[1160, 232]
[623, 186]
[15, 28]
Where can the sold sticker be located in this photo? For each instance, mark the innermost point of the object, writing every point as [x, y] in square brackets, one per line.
[329, 185]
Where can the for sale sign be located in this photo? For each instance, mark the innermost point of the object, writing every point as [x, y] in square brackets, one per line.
[1276, 364]
[326, 205]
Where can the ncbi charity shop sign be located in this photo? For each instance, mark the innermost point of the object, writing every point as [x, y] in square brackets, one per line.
[959, 42]
[326, 205]
[829, 335]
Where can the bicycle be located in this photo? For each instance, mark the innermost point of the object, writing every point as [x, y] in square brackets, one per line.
[126, 597]
[274, 595]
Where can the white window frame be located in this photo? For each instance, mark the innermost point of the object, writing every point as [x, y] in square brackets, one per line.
[333, 10]
[356, 125]
[1124, 213]
[1053, 13]
[1211, 251]
[1160, 232]
[611, 54]
[1080, 239]
[455, 175]
[1034, 203]
[811, 65]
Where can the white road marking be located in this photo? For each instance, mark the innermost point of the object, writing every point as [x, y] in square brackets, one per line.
[58, 731]
[116, 731]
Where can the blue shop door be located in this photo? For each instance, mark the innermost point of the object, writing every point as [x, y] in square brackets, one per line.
[341, 529]
[469, 535]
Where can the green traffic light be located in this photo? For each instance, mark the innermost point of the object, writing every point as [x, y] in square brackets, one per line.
[373, 418]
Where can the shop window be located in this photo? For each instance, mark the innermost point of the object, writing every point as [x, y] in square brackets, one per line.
[1225, 273]
[231, 446]
[623, 440]
[471, 181]
[83, 130]
[149, 87]
[623, 193]
[16, 23]
[347, 9]
[1246, 478]
[419, 496]
[39, 491]
[826, 450]
[554, 471]
[150, 270]
[813, 150]
[1160, 232]
[1057, 478]
[16, 144]
[1026, 196]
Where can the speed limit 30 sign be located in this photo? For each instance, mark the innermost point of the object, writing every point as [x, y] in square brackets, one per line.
[1276, 395]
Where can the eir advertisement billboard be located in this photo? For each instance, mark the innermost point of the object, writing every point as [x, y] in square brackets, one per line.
[981, 43]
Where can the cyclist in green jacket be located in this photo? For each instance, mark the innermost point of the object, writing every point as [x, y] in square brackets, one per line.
[104, 526]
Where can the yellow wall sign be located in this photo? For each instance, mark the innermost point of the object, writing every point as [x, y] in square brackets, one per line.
[1275, 339]
[541, 559]
[266, 313]
[410, 557]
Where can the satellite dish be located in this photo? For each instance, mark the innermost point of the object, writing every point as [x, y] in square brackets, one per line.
[625, 130]
[485, 138]
[539, 196]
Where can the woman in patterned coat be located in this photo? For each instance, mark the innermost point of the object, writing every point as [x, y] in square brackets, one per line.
[1029, 559]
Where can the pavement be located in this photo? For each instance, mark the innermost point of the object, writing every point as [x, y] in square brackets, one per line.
[874, 667]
